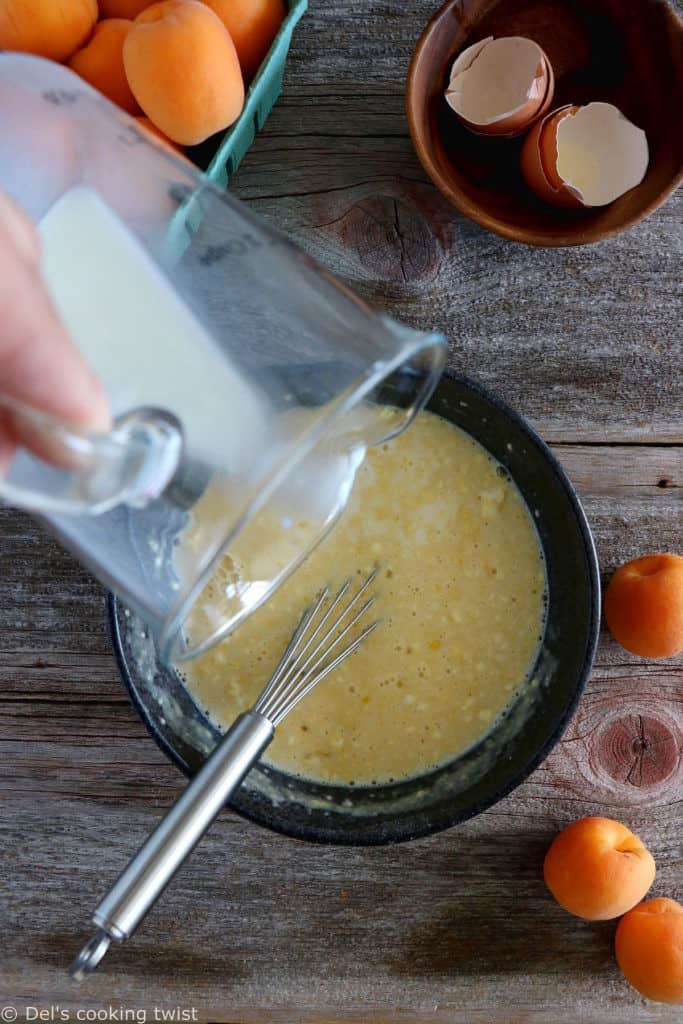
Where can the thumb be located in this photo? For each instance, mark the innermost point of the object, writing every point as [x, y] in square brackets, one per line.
[39, 365]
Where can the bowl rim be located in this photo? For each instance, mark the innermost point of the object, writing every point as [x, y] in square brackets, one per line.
[333, 835]
[475, 212]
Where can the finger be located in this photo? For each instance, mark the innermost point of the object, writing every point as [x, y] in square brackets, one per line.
[7, 443]
[38, 363]
[19, 231]
[7, 450]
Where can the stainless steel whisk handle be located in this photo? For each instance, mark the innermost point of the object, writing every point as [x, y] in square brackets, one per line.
[313, 652]
[149, 872]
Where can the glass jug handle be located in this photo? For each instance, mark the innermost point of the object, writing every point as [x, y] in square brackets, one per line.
[61, 469]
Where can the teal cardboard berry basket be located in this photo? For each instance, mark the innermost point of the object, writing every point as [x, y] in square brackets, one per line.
[220, 156]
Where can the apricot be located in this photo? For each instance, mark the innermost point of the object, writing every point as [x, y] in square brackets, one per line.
[644, 606]
[597, 869]
[47, 28]
[151, 127]
[649, 949]
[252, 24]
[100, 62]
[183, 70]
[123, 8]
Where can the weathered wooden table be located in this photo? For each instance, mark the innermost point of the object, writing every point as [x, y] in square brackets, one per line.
[458, 928]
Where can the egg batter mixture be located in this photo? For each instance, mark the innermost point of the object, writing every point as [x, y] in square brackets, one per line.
[461, 595]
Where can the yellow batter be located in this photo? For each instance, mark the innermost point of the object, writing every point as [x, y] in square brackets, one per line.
[461, 598]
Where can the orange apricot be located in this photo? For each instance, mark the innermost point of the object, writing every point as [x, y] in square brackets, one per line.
[183, 69]
[100, 62]
[597, 869]
[644, 606]
[649, 949]
[123, 8]
[47, 28]
[252, 24]
[151, 127]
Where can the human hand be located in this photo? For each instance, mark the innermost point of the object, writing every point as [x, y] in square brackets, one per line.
[39, 365]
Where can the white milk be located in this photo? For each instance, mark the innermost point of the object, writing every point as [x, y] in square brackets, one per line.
[140, 338]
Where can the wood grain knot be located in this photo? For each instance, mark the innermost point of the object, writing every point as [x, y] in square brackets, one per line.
[391, 238]
[638, 750]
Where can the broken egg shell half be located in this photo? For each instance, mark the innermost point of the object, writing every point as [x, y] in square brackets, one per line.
[499, 87]
[538, 161]
[597, 138]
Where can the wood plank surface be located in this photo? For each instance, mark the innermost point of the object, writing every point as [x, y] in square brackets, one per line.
[458, 928]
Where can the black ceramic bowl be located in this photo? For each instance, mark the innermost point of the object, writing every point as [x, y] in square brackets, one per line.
[472, 782]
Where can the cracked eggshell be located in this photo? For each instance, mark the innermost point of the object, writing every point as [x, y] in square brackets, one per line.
[584, 156]
[538, 161]
[500, 86]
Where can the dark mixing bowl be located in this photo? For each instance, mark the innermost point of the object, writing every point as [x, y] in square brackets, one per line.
[517, 744]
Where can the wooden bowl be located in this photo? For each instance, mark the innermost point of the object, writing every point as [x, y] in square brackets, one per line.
[626, 52]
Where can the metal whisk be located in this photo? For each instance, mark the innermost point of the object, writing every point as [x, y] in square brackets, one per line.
[316, 648]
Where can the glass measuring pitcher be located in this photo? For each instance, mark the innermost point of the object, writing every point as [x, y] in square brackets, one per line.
[240, 374]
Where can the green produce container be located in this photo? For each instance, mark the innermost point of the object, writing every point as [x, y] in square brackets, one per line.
[220, 157]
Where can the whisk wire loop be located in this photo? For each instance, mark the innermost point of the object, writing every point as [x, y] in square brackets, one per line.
[302, 665]
[317, 676]
[285, 661]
